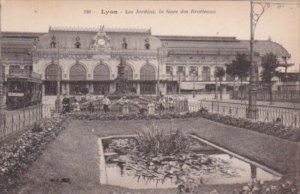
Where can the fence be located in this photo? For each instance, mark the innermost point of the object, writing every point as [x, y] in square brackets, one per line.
[14, 121]
[288, 116]
[280, 96]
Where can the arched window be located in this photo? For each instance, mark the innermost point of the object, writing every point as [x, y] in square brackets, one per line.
[147, 72]
[101, 72]
[193, 73]
[14, 69]
[180, 72]
[77, 72]
[52, 71]
[206, 73]
[128, 72]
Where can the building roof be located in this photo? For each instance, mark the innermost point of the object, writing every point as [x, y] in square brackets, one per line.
[24, 40]
[266, 46]
[108, 30]
[21, 34]
[220, 43]
[198, 38]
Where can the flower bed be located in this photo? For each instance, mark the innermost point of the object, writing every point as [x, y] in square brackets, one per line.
[274, 129]
[16, 157]
[281, 187]
[131, 116]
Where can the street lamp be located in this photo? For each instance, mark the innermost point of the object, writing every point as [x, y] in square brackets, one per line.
[194, 72]
[254, 18]
[57, 100]
[180, 74]
[158, 61]
[2, 70]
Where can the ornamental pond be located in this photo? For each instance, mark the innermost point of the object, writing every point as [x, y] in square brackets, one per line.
[204, 163]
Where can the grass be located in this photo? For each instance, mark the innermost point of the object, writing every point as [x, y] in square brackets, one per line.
[74, 155]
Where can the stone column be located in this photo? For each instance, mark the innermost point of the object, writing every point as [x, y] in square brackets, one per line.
[112, 87]
[163, 88]
[186, 69]
[91, 88]
[174, 73]
[138, 89]
[200, 78]
[212, 73]
[187, 73]
[68, 88]
[43, 89]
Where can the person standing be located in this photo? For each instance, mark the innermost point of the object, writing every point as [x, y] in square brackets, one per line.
[106, 103]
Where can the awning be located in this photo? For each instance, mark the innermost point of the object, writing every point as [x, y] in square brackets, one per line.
[191, 85]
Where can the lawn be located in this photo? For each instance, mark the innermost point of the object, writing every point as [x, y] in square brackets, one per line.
[74, 154]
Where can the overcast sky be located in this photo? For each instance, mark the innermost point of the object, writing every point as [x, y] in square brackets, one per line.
[221, 18]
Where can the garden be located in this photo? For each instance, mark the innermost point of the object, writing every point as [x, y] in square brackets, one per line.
[149, 160]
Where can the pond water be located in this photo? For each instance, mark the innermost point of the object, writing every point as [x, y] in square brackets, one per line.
[221, 169]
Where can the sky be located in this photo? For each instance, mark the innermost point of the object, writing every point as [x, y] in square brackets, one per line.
[199, 18]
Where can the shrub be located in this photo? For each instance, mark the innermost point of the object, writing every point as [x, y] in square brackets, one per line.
[153, 140]
[286, 187]
[36, 128]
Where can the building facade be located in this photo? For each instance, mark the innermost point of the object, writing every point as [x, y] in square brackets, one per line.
[89, 58]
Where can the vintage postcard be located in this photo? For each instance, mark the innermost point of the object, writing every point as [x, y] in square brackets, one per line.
[128, 97]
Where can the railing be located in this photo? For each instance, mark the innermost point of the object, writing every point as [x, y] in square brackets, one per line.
[289, 117]
[284, 96]
[48, 110]
[15, 121]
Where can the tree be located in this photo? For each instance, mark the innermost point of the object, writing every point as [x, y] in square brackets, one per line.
[269, 64]
[239, 67]
[219, 74]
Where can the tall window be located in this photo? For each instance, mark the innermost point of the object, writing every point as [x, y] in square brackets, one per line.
[14, 69]
[229, 78]
[101, 88]
[193, 73]
[169, 70]
[77, 88]
[147, 88]
[77, 72]
[181, 73]
[147, 73]
[128, 73]
[101, 72]
[52, 71]
[206, 73]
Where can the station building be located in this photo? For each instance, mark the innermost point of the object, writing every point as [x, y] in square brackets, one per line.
[89, 58]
